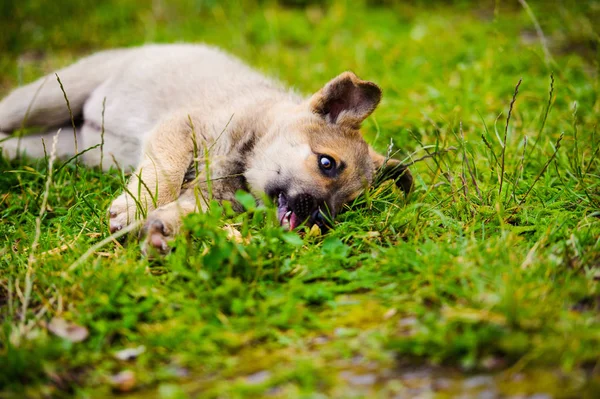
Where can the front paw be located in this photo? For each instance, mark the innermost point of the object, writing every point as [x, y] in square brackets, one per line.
[156, 237]
[122, 212]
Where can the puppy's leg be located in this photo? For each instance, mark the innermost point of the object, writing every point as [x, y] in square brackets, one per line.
[158, 180]
[164, 222]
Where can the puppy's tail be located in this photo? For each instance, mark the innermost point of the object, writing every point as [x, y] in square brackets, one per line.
[42, 103]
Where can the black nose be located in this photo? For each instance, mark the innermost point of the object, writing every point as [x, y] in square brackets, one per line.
[303, 205]
[312, 211]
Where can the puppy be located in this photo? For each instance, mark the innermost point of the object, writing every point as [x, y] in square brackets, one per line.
[194, 123]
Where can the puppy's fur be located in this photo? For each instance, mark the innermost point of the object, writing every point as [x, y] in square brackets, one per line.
[194, 122]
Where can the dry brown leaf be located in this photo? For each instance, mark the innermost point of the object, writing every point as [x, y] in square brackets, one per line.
[57, 250]
[123, 381]
[105, 254]
[67, 330]
[473, 315]
[233, 234]
[389, 314]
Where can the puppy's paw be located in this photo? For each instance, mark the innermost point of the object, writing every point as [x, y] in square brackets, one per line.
[156, 236]
[122, 212]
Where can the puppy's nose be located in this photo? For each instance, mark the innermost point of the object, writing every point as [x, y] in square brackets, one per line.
[303, 205]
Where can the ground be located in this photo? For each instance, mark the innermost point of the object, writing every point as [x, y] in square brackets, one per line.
[484, 281]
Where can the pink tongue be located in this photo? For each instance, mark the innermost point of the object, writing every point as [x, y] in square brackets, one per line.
[293, 221]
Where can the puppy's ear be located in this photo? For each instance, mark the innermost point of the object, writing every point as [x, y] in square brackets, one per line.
[391, 169]
[346, 100]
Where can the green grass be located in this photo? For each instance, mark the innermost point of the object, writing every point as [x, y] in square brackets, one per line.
[490, 267]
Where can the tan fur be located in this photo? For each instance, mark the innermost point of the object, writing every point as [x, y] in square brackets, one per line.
[172, 110]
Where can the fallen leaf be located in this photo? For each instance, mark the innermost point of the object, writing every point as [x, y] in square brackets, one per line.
[123, 381]
[233, 234]
[389, 314]
[178, 371]
[105, 254]
[409, 321]
[258, 378]
[473, 315]
[314, 231]
[130, 353]
[359, 379]
[67, 330]
[320, 340]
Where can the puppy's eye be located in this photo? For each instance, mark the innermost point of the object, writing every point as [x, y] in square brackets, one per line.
[327, 164]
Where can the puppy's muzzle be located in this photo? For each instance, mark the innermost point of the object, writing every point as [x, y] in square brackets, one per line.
[302, 209]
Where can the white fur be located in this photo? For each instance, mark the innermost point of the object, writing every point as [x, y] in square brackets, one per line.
[141, 86]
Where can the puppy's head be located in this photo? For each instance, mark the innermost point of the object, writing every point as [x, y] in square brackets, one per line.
[313, 159]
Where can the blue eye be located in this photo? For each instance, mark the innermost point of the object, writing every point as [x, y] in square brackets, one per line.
[326, 164]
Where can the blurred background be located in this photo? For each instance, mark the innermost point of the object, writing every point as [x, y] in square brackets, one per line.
[430, 57]
[448, 280]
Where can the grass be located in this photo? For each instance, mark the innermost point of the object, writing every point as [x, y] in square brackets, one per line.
[485, 278]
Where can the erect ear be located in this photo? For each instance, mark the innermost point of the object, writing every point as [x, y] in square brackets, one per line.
[391, 169]
[346, 100]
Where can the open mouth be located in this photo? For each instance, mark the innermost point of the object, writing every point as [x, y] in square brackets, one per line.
[287, 218]
[303, 209]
